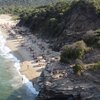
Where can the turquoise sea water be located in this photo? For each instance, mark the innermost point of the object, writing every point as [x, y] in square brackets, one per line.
[12, 86]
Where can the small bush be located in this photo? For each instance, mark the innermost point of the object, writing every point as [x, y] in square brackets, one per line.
[89, 37]
[74, 51]
[97, 65]
[77, 69]
[92, 38]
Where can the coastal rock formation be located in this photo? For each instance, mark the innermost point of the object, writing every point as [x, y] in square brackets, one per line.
[78, 20]
[64, 24]
[58, 82]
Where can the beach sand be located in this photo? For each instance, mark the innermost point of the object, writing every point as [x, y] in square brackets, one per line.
[33, 53]
[15, 43]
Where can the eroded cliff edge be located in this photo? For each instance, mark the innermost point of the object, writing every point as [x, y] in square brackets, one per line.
[79, 22]
[58, 82]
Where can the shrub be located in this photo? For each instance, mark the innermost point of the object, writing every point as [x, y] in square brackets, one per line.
[89, 38]
[48, 18]
[92, 38]
[97, 65]
[77, 69]
[62, 6]
[73, 52]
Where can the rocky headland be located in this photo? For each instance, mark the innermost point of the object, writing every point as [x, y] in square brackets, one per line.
[74, 32]
[63, 47]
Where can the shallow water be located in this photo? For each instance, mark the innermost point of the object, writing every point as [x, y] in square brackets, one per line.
[12, 87]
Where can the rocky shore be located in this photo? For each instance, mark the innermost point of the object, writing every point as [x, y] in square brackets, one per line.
[41, 65]
[58, 82]
[33, 52]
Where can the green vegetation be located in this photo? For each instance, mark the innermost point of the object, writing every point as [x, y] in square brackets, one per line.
[34, 3]
[74, 51]
[51, 19]
[56, 18]
[16, 10]
[23, 6]
[97, 65]
[92, 38]
[77, 69]
[94, 3]
[18, 6]
[48, 19]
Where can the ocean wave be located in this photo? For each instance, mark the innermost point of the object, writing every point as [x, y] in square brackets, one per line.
[6, 53]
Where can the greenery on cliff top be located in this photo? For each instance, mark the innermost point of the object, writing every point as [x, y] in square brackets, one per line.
[16, 5]
[74, 51]
[46, 18]
[51, 19]
[34, 3]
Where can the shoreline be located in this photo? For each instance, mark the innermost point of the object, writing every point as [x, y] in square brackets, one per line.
[7, 54]
[24, 64]
[20, 51]
[34, 54]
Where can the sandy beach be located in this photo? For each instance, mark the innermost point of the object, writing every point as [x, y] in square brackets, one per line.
[33, 53]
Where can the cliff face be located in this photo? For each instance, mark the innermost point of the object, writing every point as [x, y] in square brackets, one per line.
[58, 82]
[78, 20]
[82, 17]
[64, 24]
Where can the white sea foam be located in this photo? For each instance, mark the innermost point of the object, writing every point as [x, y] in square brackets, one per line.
[6, 52]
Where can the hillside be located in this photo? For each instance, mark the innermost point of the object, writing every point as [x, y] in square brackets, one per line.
[73, 29]
[64, 22]
[58, 45]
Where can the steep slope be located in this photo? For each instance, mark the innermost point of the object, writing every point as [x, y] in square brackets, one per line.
[64, 24]
[82, 17]
[58, 81]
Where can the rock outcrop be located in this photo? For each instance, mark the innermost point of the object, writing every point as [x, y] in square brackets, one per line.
[64, 25]
[58, 82]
